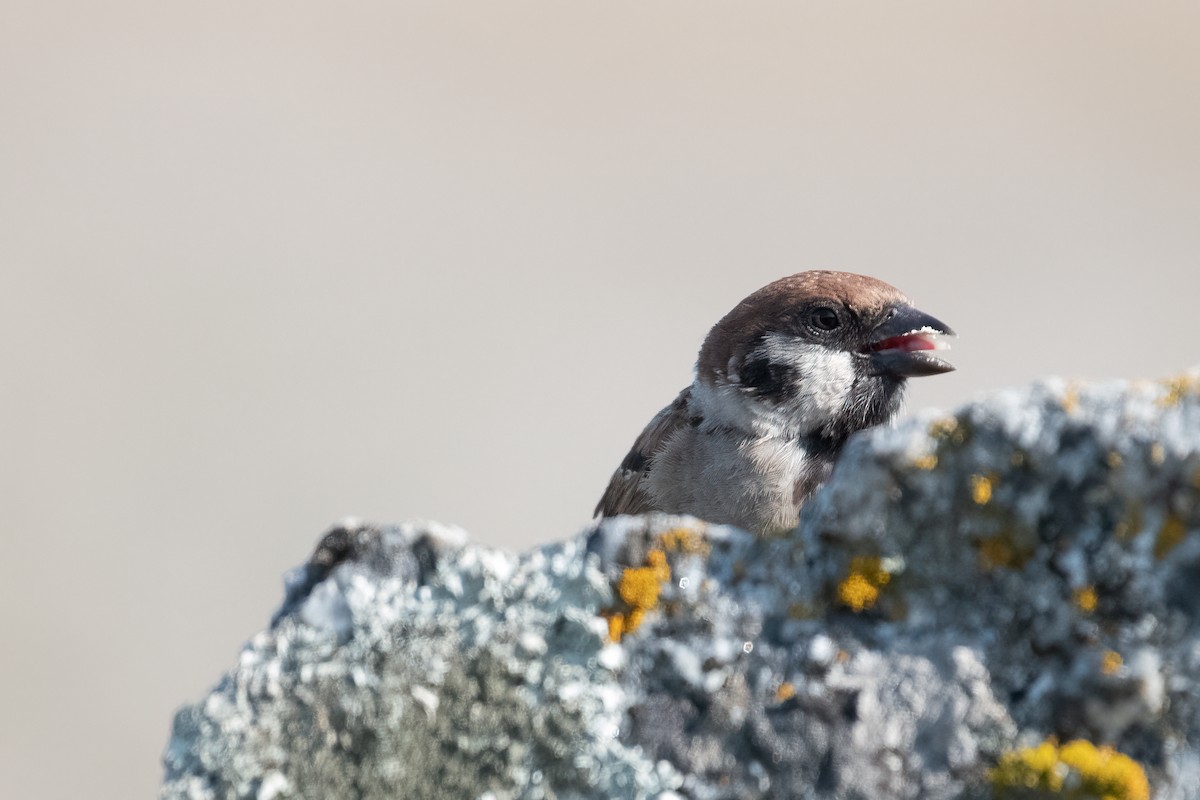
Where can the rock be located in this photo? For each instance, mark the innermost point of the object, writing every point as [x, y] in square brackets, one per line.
[1003, 602]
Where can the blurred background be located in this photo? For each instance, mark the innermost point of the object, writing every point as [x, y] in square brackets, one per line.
[267, 264]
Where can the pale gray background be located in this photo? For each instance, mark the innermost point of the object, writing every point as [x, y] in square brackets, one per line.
[265, 264]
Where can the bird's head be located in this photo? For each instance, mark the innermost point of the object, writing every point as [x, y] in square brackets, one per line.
[820, 353]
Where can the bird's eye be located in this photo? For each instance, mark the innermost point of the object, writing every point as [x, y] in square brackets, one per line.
[825, 319]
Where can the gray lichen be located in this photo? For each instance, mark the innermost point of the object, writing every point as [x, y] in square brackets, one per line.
[963, 587]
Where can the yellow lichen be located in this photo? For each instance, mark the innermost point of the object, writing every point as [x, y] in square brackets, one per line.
[1002, 550]
[857, 592]
[949, 429]
[1070, 399]
[1086, 599]
[1131, 524]
[640, 586]
[1104, 772]
[1031, 768]
[1078, 770]
[1178, 388]
[926, 462]
[1113, 459]
[996, 551]
[616, 625]
[981, 489]
[639, 589]
[943, 428]
[860, 589]
[1169, 536]
[1158, 454]
[785, 691]
[1110, 662]
[803, 610]
[684, 540]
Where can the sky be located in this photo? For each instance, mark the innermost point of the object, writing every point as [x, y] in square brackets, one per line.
[265, 265]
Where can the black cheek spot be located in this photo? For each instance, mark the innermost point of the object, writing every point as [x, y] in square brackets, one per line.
[635, 461]
[769, 379]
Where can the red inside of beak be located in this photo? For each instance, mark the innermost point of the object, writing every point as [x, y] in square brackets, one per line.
[908, 342]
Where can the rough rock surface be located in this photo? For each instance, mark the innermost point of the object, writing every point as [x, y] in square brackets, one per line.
[965, 589]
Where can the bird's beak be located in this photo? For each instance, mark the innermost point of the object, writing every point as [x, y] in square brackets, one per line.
[904, 343]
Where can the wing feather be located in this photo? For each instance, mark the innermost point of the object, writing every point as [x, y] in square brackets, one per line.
[627, 492]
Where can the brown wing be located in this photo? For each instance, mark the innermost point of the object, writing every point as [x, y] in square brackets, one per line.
[626, 492]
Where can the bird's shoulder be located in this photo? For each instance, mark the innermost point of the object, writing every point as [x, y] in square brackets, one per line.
[627, 492]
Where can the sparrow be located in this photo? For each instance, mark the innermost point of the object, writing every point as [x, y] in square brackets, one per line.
[781, 382]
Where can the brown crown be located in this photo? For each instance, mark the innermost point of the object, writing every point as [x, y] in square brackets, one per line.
[770, 309]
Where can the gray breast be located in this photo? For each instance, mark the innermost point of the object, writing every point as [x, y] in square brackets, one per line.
[727, 476]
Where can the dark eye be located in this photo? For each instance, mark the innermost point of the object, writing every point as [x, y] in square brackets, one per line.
[825, 319]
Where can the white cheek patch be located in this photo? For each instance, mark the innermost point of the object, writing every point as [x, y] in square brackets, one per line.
[826, 380]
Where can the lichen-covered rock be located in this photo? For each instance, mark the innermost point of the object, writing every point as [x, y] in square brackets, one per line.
[1000, 603]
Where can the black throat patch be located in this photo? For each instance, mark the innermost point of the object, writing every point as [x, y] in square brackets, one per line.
[822, 454]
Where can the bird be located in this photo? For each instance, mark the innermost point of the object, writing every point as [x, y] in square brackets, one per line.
[781, 382]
